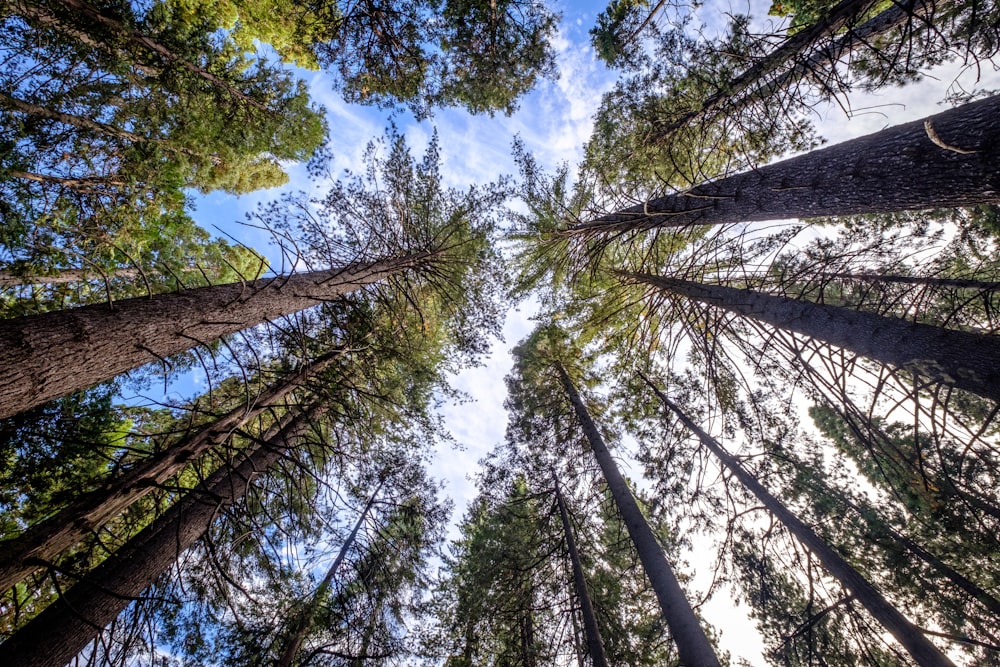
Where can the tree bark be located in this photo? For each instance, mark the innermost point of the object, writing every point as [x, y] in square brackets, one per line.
[946, 160]
[46, 540]
[305, 620]
[907, 634]
[968, 361]
[693, 646]
[595, 645]
[66, 626]
[54, 354]
[959, 283]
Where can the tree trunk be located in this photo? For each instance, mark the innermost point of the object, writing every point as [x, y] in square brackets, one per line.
[838, 16]
[46, 540]
[946, 160]
[305, 620]
[907, 634]
[968, 361]
[54, 354]
[66, 626]
[85, 185]
[79, 122]
[692, 643]
[826, 57]
[595, 645]
[959, 283]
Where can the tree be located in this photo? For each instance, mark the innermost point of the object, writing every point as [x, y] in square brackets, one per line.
[44, 540]
[595, 645]
[943, 160]
[922, 650]
[538, 362]
[943, 355]
[68, 625]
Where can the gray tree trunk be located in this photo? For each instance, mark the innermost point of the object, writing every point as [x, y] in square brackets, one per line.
[595, 645]
[907, 634]
[46, 540]
[692, 643]
[305, 621]
[968, 361]
[54, 354]
[67, 625]
[946, 160]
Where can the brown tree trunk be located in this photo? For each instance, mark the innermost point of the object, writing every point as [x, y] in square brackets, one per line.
[305, 621]
[66, 626]
[46, 540]
[31, 109]
[692, 643]
[968, 361]
[946, 160]
[595, 645]
[907, 634]
[54, 354]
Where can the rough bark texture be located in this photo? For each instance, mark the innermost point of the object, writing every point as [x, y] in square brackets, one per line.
[693, 646]
[305, 621]
[66, 626]
[46, 540]
[907, 634]
[965, 360]
[54, 354]
[595, 645]
[65, 276]
[946, 160]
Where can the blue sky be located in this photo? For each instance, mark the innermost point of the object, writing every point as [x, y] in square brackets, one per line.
[554, 122]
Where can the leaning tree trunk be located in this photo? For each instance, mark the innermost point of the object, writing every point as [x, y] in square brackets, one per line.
[66, 626]
[305, 620]
[842, 14]
[45, 540]
[595, 645]
[907, 634]
[946, 160]
[965, 360]
[54, 354]
[693, 646]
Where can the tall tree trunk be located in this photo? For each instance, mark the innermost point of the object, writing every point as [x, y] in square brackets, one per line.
[54, 354]
[907, 634]
[946, 160]
[960, 283]
[85, 185]
[595, 645]
[32, 109]
[945, 570]
[827, 56]
[968, 361]
[305, 621]
[45, 540]
[692, 643]
[65, 276]
[66, 626]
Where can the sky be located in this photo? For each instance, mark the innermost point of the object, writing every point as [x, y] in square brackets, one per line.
[554, 122]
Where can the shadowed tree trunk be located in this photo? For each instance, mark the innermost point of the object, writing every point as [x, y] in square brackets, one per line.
[946, 160]
[54, 354]
[907, 634]
[66, 626]
[305, 620]
[968, 361]
[595, 645]
[45, 540]
[692, 643]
